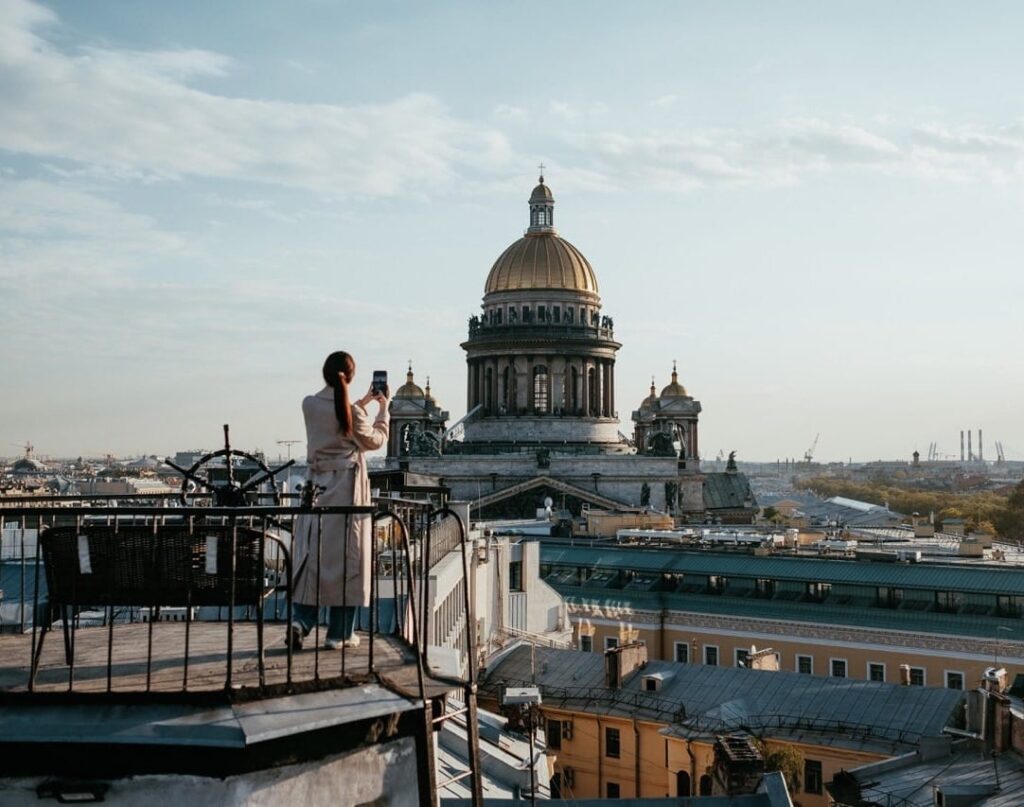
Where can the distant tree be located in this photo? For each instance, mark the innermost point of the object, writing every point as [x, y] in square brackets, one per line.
[1010, 522]
[787, 760]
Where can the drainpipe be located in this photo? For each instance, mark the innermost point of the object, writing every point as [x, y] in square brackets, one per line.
[693, 768]
[636, 758]
[600, 759]
[661, 636]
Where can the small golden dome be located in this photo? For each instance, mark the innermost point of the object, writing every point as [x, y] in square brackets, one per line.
[542, 193]
[650, 400]
[675, 389]
[541, 261]
[409, 389]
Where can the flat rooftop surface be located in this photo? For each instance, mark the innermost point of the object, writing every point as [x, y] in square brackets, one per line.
[131, 668]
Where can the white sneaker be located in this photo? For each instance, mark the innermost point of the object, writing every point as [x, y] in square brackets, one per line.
[337, 644]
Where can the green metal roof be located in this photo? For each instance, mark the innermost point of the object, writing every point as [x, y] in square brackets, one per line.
[973, 626]
[930, 576]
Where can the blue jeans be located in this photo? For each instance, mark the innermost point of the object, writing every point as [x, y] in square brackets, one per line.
[341, 619]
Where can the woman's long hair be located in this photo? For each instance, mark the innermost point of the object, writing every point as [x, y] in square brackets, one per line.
[338, 371]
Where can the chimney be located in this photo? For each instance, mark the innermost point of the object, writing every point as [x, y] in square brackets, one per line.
[970, 451]
[961, 445]
[738, 767]
[981, 450]
[994, 679]
[765, 659]
[904, 675]
[619, 662]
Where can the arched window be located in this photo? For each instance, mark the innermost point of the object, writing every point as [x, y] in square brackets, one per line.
[705, 785]
[541, 389]
[682, 783]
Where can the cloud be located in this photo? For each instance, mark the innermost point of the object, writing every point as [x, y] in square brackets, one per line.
[50, 233]
[135, 111]
[665, 102]
[577, 112]
[508, 112]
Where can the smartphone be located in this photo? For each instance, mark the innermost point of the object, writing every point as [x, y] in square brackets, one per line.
[380, 382]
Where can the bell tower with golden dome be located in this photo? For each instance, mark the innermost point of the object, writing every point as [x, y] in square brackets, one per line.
[541, 354]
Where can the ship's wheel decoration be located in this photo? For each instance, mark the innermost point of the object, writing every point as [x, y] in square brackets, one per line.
[227, 492]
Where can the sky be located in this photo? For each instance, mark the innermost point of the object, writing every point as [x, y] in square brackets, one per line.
[815, 208]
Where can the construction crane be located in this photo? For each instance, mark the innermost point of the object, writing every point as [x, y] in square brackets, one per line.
[809, 453]
[27, 445]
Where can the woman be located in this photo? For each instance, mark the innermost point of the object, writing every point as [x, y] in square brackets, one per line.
[337, 434]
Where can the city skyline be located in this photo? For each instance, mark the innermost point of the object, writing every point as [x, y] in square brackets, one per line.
[815, 212]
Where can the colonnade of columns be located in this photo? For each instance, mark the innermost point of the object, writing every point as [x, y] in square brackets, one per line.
[582, 386]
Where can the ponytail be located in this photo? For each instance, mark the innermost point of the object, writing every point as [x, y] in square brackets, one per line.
[338, 371]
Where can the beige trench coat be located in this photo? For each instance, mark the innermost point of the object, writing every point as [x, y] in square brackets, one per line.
[337, 464]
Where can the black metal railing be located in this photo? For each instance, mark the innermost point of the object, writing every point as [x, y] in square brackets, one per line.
[116, 573]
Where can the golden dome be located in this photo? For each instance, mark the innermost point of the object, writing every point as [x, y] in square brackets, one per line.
[675, 389]
[649, 401]
[409, 389]
[542, 193]
[541, 261]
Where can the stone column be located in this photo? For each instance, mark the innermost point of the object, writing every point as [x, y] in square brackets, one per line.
[611, 385]
[585, 387]
[531, 402]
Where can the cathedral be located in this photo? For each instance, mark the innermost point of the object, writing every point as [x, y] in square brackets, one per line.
[540, 417]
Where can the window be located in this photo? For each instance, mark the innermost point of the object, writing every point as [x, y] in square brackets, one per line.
[948, 602]
[1007, 605]
[541, 388]
[889, 597]
[650, 684]
[611, 743]
[515, 575]
[554, 734]
[682, 783]
[497, 317]
[805, 664]
[954, 680]
[542, 311]
[917, 676]
[876, 671]
[711, 655]
[742, 654]
[611, 790]
[838, 667]
[556, 313]
[705, 785]
[812, 776]
[526, 313]
[587, 644]
[818, 591]
[681, 652]
[611, 642]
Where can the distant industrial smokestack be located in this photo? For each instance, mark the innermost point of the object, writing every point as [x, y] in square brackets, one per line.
[981, 451]
[970, 451]
[961, 445]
